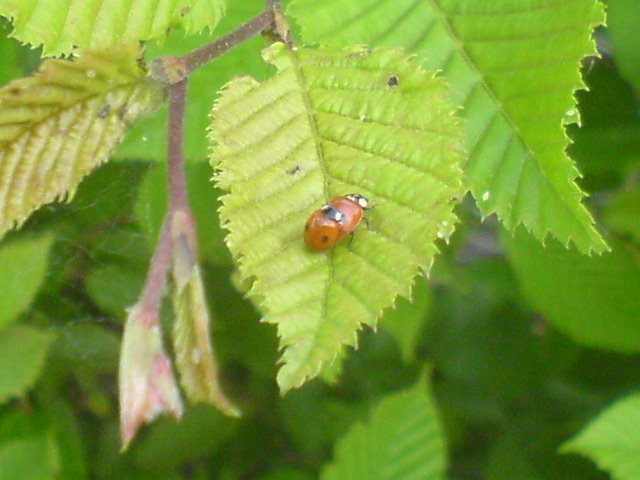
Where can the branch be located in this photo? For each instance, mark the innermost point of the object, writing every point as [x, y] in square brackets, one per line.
[175, 155]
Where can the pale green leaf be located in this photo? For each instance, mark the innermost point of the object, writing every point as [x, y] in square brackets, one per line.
[23, 350]
[194, 357]
[595, 300]
[513, 66]
[32, 458]
[62, 25]
[23, 264]
[612, 440]
[58, 125]
[329, 123]
[402, 440]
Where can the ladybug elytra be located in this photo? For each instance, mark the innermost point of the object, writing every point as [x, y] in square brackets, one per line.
[334, 221]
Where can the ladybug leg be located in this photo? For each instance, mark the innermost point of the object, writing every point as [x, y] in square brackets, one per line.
[351, 235]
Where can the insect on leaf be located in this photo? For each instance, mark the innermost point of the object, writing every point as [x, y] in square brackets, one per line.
[58, 125]
[333, 122]
[514, 67]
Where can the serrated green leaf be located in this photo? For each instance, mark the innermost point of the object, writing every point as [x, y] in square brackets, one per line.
[62, 25]
[513, 66]
[401, 440]
[600, 295]
[330, 123]
[612, 440]
[58, 125]
[203, 14]
[23, 264]
[23, 350]
[31, 458]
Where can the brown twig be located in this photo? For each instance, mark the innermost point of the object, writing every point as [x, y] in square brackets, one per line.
[206, 53]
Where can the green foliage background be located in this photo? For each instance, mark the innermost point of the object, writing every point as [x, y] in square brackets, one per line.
[530, 351]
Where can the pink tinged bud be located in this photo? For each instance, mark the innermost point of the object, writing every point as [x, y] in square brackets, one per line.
[148, 385]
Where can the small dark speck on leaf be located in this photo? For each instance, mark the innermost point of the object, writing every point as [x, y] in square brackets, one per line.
[295, 170]
[393, 81]
[14, 91]
[123, 111]
[104, 111]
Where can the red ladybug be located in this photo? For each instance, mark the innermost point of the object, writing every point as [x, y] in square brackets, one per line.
[334, 221]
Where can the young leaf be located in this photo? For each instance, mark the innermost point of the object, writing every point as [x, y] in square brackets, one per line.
[191, 329]
[58, 125]
[147, 384]
[612, 440]
[514, 67]
[329, 123]
[23, 350]
[62, 25]
[401, 440]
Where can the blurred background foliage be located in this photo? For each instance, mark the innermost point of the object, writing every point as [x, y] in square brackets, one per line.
[524, 344]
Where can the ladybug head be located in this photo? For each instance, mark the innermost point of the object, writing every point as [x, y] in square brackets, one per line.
[359, 199]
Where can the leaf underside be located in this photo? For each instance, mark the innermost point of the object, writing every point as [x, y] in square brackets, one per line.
[63, 25]
[513, 66]
[612, 440]
[329, 123]
[58, 125]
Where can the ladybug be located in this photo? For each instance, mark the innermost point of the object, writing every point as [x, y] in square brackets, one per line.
[334, 221]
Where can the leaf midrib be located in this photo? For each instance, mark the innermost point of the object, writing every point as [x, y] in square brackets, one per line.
[459, 46]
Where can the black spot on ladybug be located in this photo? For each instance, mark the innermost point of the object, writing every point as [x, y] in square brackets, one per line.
[295, 170]
[104, 111]
[324, 239]
[393, 81]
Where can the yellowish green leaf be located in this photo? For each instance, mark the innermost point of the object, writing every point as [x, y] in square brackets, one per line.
[191, 329]
[62, 25]
[333, 122]
[58, 125]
